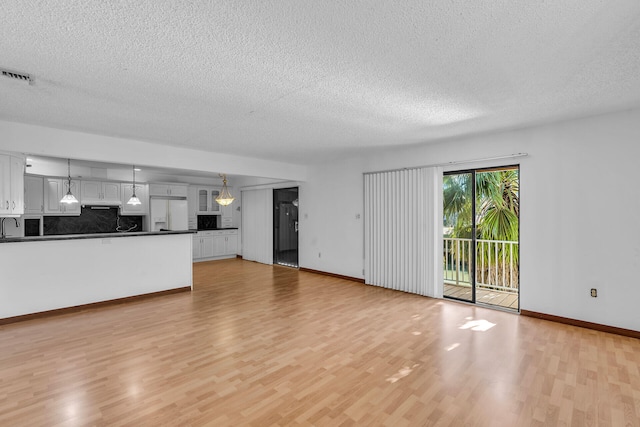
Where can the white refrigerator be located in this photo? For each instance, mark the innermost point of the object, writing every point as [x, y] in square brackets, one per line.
[169, 214]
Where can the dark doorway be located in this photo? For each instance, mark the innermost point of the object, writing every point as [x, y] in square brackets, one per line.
[285, 226]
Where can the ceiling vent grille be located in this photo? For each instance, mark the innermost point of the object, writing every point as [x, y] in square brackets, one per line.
[14, 75]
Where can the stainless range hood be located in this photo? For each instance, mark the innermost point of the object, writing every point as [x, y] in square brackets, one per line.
[95, 206]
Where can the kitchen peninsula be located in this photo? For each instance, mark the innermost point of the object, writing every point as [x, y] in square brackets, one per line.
[46, 273]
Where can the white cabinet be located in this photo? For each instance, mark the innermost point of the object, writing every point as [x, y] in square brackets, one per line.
[5, 184]
[142, 193]
[225, 242]
[17, 186]
[33, 195]
[226, 220]
[100, 192]
[11, 185]
[192, 206]
[218, 245]
[207, 246]
[203, 244]
[174, 190]
[54, 190]
[206, 199]
[215, 244]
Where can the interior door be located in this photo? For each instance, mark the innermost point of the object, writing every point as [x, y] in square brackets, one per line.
[285, 226]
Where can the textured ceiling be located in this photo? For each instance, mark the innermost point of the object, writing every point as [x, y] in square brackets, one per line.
[306, 81]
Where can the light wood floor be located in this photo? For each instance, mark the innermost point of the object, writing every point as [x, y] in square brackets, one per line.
[255, 345]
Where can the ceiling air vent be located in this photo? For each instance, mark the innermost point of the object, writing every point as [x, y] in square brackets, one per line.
[15, 75]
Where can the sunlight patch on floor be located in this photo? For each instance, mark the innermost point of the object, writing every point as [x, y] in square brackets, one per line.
[477, 325]
[401, 374]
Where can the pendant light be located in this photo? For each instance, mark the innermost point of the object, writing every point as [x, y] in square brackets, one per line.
[133, 200]
[69, 198]
[224, 198]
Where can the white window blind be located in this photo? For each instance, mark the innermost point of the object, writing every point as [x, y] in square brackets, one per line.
[403, 230]
[257, 225]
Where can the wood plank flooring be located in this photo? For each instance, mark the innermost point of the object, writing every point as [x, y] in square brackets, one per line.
[485, 296]
[256, 345]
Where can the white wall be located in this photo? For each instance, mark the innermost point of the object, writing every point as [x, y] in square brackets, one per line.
[579, 212]
[45, 141]
[330, 219]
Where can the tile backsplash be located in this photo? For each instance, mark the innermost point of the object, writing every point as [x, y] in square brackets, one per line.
[91, 221]
[208, 222]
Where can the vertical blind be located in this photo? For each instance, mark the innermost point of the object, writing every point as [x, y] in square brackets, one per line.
[257, 225]
[403, 230]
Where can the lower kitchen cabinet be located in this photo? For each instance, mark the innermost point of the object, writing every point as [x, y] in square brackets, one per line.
[215, 244]
[207, 247]
[225, 242]
[203, 244]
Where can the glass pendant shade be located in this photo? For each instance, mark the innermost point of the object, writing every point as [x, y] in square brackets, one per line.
[224, 198]
[133, 200]
[69, 198]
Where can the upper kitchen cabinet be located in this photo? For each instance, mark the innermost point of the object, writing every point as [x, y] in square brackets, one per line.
[11, 185]
[142, 191]
[100, 193]
[206, 198]
[54, 190]
[33, 195]
[227, 216]
[170, 190]
[192, 203]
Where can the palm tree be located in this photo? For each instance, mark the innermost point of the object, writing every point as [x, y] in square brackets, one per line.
[498, 201]
[497, 217]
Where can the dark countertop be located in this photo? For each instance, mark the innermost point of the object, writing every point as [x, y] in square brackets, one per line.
[91, 236]
[214, 229]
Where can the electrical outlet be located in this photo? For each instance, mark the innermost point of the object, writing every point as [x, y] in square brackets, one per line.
[594, 292]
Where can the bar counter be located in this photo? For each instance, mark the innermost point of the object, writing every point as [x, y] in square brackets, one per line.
[55, 272]
[91, 236]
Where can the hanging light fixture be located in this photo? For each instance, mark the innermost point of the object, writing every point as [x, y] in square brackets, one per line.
[224, 198]
[133, 200]
[69, 198]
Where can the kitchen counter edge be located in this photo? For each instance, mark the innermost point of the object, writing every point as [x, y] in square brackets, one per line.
[92, 236]
[213, 229]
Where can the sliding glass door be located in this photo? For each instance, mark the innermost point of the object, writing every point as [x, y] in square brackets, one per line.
[481, 236]
[459, 231]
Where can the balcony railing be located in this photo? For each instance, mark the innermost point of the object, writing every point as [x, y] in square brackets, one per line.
[497, 264]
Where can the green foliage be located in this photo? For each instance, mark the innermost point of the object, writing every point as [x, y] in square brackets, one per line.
[497, 218]
[457, 206]
[497, 205]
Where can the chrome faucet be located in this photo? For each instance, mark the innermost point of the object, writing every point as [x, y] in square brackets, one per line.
[2, 231]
